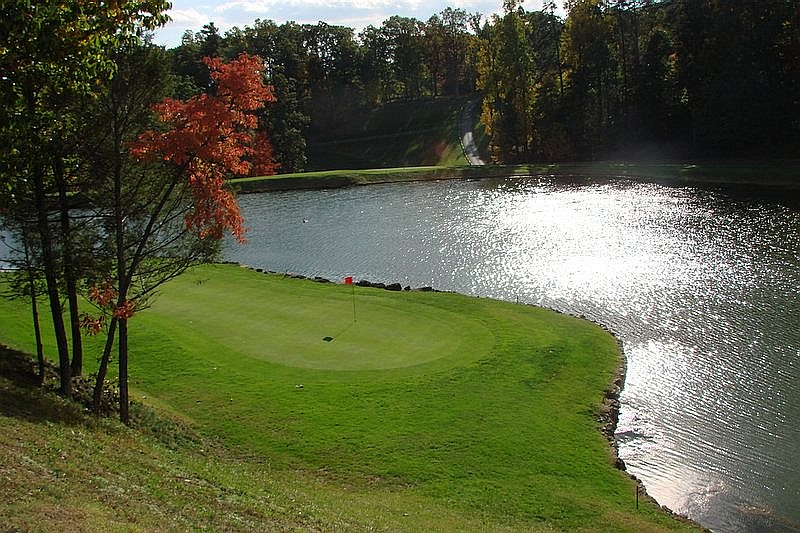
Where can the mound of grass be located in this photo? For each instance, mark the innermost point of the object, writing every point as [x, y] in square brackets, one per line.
[64, 470]
[432, 411]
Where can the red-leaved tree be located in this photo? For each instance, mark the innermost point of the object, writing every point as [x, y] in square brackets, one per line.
[212, 136]
[205, 140]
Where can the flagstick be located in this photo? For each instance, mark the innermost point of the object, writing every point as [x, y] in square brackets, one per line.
[353, 286]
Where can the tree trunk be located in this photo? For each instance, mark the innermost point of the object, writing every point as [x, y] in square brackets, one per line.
[37, 330]
[102, 371]
[122, 345]
[52, 283]
[69, 270]
[42, 210]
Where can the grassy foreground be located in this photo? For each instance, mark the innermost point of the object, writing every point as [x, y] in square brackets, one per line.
[429, 412]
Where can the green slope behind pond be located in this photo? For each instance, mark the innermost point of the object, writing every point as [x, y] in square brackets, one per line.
[430, 411]
[780, 175]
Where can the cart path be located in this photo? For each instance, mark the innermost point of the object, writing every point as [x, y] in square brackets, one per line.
[467, 139]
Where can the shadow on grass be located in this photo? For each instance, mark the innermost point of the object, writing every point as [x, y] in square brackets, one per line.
[22, 397]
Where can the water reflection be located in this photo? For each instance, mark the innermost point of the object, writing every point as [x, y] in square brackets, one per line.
[702, 287]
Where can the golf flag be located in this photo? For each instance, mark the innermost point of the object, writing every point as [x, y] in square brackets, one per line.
[349, 281]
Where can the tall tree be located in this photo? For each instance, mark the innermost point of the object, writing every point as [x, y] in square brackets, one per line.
[459, 75]
[377, 72]
[50, 51]
[405, 46]
[735, 63]
[590, 76]
[433, 49]
[287, 72]
[337, 92]
[207, 138]
[506, 80]
[446, 48]
[551, 141]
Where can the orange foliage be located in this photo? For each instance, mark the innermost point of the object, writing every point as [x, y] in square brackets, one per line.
[212, 136]
[103, 295]
[125, 310]
[92, 325]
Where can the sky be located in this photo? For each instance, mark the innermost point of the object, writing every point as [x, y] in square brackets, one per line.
[356, 14]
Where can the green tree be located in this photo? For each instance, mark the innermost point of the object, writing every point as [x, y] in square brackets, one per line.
[551, 141]
[737, 62]
[376, 71]
[25, 280]
[590, 77]
[446, 44]
[433, 49]
[49, 53]
[287, 71]
[505, 77]
[459, 76]
[337, 92]
[404, 39]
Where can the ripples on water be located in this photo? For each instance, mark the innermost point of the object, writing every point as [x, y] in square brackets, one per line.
[701, 287]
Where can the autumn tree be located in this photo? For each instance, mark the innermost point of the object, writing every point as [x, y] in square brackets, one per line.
[204, 140]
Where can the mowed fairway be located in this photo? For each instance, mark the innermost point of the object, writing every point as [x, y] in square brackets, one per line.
[430, 411]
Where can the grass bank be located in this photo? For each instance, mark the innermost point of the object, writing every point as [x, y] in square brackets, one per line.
[781, 174]
[430, 411]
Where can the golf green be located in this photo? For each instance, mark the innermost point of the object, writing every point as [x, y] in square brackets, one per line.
[344, 328]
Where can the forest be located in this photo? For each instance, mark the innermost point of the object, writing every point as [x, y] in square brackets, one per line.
[614, 79]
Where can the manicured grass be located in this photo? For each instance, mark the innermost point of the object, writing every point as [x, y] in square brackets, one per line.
[432, 411]
[781, 175]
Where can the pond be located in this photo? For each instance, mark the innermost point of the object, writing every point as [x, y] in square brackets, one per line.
[700, 285]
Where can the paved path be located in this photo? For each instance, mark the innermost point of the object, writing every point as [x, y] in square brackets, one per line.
[467, 140]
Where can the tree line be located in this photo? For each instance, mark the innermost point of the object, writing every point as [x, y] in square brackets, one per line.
[700, 77]
[610, 79]
[323, 74]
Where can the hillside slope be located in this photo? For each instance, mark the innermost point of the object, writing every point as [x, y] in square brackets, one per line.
[398, 134]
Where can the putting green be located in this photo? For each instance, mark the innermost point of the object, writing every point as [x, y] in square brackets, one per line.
[310, 328]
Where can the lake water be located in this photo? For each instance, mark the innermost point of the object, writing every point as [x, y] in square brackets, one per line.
[700, 285]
